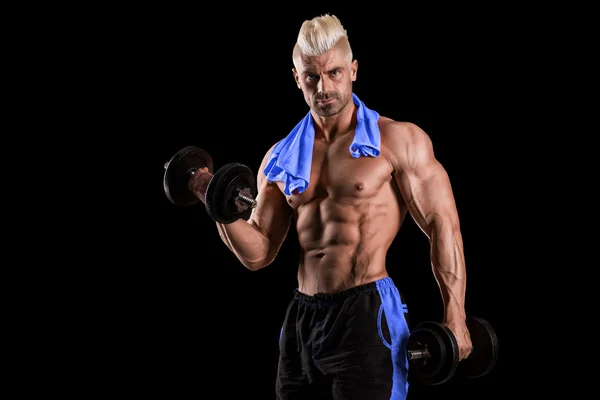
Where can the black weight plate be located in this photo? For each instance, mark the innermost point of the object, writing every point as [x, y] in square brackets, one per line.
[177, 174]
[485, 349]
[420, 338]
[223, 189]
[444, 354]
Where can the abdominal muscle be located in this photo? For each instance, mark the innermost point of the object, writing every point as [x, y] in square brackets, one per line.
[344, 243]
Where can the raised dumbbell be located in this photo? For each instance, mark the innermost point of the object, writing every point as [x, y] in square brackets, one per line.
[432, 351]
[230, 194]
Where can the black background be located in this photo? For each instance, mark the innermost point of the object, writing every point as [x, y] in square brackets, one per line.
[181, 316]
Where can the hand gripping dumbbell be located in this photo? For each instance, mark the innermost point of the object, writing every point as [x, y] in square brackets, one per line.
[433, 352]
[230, 195]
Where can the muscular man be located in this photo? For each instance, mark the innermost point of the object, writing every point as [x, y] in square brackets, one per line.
[346, 177]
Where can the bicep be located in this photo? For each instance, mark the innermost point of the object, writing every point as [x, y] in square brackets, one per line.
[428, 195]
[272, 214]
[425, 185]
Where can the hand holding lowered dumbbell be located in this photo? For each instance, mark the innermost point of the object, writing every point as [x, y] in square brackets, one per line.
[433, 352]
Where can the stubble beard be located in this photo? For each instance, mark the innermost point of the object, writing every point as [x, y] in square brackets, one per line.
[329, 110]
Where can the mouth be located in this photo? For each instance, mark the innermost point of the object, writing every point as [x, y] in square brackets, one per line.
[325, 101]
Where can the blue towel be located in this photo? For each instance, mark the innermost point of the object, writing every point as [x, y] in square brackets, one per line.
[291, 158]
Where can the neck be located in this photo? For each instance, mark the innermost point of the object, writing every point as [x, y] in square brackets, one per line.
[329, 127]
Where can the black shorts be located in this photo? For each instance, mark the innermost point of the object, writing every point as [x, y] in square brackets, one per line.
[348, 345]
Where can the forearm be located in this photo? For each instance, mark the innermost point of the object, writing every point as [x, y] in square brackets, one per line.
[247, 242]
[448, 263]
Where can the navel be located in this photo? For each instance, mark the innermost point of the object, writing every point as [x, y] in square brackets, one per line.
[359, 186]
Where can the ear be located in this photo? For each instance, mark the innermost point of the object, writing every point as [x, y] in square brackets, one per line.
[296, 77]
[354, 69]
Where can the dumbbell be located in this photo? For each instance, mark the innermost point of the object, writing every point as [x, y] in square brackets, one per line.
[484, 354]
[230, 194]
[432, 351]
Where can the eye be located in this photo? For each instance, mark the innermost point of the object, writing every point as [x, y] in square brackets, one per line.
[311, 77]
[335, 73]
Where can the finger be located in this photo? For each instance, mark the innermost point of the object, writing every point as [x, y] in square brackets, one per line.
[200, 171]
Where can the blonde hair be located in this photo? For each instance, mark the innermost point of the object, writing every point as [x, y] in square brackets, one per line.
[319, 35]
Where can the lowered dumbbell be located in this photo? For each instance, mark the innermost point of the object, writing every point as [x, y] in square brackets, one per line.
[485, 350]
[230, 194]
[433, 352]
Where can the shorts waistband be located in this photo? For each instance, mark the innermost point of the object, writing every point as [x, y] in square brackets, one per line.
[325, 298]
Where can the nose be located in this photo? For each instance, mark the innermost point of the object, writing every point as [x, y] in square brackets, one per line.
[324, 84]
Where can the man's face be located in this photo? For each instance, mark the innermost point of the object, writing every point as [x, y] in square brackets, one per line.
[326, 80]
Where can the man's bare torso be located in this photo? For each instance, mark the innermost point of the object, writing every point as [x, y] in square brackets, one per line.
[347, 217]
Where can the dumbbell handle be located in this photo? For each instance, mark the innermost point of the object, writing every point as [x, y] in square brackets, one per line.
[417, 354]
[242, 197]
[245, 197]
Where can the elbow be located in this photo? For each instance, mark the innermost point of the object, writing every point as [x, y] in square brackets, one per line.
[440, 226]
[255, 265]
